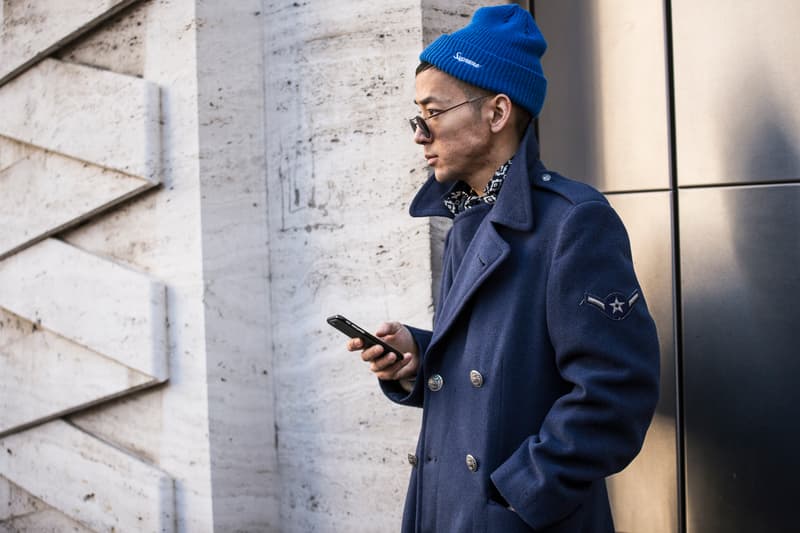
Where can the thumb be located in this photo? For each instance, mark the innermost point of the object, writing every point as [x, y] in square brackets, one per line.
[388, 328]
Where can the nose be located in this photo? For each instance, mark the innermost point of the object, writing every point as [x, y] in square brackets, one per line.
[420, 137]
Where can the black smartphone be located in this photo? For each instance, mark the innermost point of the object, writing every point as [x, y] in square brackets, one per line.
[353, 330]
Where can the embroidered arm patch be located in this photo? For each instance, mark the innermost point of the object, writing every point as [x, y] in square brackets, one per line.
[615, 306]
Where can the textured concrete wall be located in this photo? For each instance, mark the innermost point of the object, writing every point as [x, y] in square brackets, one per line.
[342, 169]
[245, 487]
[187, 190]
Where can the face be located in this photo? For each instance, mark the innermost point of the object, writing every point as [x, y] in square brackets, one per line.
[458, 147]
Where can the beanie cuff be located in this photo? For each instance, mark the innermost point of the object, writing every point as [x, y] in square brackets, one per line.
[476, 66]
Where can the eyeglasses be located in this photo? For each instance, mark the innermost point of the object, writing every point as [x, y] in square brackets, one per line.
[419, 122]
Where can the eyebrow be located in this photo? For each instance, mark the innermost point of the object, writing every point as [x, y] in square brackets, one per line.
[427, 100]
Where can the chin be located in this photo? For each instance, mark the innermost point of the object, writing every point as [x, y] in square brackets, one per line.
[442, 177]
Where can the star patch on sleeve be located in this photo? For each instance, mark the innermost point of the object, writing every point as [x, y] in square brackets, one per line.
[615, 306]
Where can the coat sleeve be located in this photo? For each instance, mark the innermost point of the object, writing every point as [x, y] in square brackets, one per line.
[393, 390]
[606, 350]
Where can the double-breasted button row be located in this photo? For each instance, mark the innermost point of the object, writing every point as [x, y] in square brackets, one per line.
[435, 382]
[476, 378]
[472, 463]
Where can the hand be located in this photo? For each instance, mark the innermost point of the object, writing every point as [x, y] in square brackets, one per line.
[387, 367]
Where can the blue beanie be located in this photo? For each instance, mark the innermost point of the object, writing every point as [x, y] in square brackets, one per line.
[499, 50]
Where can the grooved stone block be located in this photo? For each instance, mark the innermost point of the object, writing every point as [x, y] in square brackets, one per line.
[31, 30]
[45, 376]
[43, 193]
[12, 151]
[97, 116]
[45, 521]
[90, 481]
[20, 511]
[94, 302]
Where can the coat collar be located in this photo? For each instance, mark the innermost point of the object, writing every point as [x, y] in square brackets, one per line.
[488, 250]
[513, 207]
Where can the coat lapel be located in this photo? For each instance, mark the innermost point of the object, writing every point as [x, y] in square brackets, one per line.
[488, 248]
[484, 255]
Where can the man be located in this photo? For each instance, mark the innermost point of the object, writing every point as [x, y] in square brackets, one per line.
[540, 376]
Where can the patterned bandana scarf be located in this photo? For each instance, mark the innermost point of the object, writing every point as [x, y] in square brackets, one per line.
[463, 197]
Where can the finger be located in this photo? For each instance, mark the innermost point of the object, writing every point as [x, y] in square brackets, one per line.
[384, 362]
[387, 328]
[407, 368]
[372, 353]
[397, 370]
[355, 344]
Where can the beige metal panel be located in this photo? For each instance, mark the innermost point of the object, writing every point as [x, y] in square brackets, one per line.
[605, 118]
[644, 496]
[737, 88]
[740, 286]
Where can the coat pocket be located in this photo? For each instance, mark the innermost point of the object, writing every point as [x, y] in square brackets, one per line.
[502, 520]
[573, 523]
[499, 519]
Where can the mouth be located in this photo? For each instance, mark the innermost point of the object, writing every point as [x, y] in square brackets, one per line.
[431, 159]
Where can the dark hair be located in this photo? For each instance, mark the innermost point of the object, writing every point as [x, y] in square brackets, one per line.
[521, 118]
[422, 67]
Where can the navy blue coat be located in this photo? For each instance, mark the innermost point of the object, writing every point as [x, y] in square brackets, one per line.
[540, 376]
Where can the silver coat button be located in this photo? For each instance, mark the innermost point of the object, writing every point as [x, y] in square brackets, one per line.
[412, 459]
[472, 463]
[546, 177]
[475, 378]
[435, 382]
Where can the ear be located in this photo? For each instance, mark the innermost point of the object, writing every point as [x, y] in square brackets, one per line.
[500, 112]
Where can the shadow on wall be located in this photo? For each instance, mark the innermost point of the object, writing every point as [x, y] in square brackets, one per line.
[576, 93]
[741, 285]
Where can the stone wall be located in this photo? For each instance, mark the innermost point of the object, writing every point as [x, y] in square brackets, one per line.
[107, 346]
[187, 190]
[341, 170]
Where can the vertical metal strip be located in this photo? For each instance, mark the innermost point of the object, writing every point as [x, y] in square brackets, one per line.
[530, 5]
[676, 269]
[524, 4]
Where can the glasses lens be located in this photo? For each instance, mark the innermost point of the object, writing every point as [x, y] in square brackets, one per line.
[419, 122]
